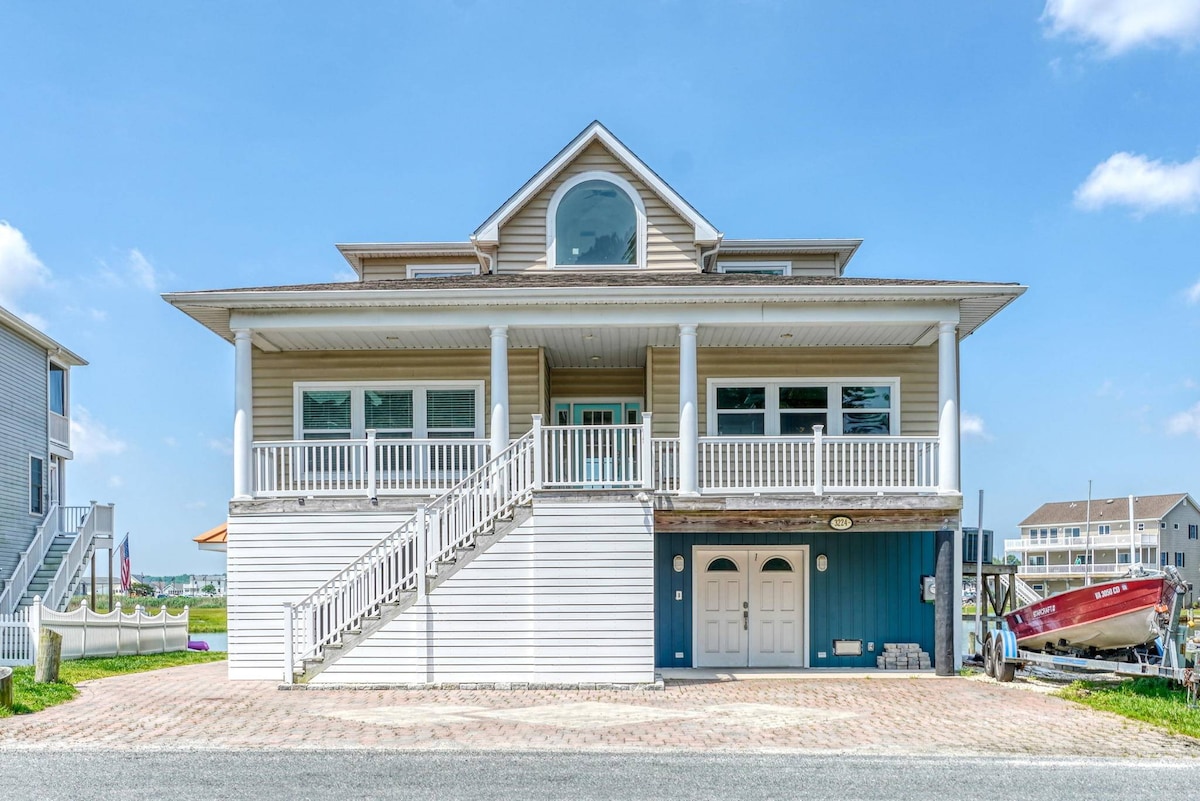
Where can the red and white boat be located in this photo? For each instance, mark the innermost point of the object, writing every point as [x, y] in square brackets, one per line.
[1124, 613]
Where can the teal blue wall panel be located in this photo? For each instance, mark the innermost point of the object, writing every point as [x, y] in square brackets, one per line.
[871, 591]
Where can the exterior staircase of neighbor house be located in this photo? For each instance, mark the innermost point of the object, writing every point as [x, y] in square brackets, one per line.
[1025, 594]
[47, 570]
[53, 564]
[435, 543]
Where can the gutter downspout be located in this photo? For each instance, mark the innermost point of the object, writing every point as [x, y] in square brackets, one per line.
[710, 253]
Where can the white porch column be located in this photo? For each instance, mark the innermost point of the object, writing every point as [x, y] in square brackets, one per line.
[499, 388]
[689, 445]
[947, 408]
[243, 415]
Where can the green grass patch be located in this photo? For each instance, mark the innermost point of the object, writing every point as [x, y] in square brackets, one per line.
[207, 620]
[1151, 700]
[29, 696]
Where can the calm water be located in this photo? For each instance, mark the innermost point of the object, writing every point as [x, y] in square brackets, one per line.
[216, 642]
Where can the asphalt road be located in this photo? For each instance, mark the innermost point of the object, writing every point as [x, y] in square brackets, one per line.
[328, 775]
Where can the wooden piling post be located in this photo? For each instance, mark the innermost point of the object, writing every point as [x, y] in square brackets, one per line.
[6, 688]
[49, 655]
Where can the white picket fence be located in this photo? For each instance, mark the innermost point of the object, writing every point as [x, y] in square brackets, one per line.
[89, 633]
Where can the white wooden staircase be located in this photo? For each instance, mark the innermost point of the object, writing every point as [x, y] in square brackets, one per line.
[52, 566]
[425, 550]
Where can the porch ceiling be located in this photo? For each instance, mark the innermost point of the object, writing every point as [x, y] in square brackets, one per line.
[602, 346]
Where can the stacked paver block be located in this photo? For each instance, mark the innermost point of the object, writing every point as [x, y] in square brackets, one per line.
[902, 656]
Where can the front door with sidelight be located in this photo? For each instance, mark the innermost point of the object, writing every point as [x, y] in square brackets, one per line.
[749, 607]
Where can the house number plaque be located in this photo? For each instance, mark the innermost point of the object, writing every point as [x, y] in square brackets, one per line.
[840, 523]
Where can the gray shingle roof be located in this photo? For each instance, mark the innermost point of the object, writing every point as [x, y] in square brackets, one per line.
[1145, 507]
[560, 280]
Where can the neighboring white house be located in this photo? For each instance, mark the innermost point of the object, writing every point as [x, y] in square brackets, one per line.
[592, 439]
[1065, 544]
[44, 543]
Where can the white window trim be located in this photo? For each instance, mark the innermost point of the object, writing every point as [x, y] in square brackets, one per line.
[29, 487]
[639, 209]
[415, 270]
[754, 266]
[358, 418]
[834, 427]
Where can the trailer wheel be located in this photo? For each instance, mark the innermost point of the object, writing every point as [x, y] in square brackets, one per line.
[1005, 671]
[989, 658]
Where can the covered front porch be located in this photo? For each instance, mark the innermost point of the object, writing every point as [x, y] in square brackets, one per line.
[750, 397]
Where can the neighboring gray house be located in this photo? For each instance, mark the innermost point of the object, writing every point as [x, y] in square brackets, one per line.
[1066, 544]
[44, 544]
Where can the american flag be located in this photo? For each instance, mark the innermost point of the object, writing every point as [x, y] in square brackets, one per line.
[126, 576]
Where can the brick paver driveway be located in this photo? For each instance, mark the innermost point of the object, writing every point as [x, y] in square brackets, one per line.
[195, 707]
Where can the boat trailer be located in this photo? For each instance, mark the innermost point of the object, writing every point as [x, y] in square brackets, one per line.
[1174, 660]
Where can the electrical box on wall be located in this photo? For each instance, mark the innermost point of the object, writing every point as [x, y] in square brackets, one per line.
[928, 590]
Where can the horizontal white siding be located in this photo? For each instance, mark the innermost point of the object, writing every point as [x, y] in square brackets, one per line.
[275, 558]
[567, 597]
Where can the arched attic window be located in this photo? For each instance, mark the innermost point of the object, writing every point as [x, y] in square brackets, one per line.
[596, 219]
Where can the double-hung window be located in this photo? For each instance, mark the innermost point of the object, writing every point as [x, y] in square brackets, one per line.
[436, 410]
[793, 407]
[1104, 529]
[1193, 531]
[395, 411]
[1179, 561]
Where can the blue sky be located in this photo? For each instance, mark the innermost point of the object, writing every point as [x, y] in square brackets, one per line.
[163, 147]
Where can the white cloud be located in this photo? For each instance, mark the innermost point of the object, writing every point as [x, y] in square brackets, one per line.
[20, 271]
[1127, 179]
[345, 275]
[170, 442]
[971, 425]
[142, 270]
[1193, 293]
[221, 445]
[138, 272]
[91, 439]
[1118, 26]
[195, 505]
[1186, 422]
[116, 482]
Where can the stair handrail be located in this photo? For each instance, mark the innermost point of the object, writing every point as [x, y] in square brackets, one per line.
[27, 566]
[403, 560]
[99, 520]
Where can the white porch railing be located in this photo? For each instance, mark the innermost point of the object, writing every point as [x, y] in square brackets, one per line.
[1097, 542]
[367, 467]
[595, 456]
[818, 464]
[666, 464]
[402, 561]
[98, 521]
[615, 456]
[1073, 570]
[60, 429]
[70, 518]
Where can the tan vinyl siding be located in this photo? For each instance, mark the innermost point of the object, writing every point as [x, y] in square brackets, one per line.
[670, 240]
[625, 382]
[397, 267]
[915, 367]
[276, 373]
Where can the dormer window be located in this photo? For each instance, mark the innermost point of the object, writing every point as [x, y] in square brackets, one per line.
[596, 219]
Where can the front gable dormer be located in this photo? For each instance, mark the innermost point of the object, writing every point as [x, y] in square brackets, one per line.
[595, 206]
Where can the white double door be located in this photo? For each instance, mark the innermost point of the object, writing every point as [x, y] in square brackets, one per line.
[749, 606]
